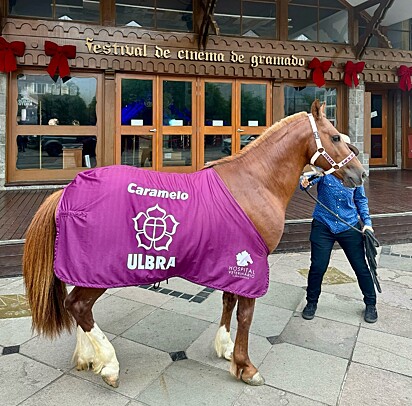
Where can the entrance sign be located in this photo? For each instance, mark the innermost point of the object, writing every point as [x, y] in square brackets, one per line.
[144, 51]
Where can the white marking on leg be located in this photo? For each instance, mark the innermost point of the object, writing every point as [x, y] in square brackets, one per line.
[83, 354]
[224, 344]
[105, 361]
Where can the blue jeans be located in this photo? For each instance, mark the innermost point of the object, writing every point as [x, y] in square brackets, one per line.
[322, 240]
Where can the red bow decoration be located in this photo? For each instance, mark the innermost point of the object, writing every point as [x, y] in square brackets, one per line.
[319, 69]
[8, 53]
[351, 72]
[404, 74]
[59, 55]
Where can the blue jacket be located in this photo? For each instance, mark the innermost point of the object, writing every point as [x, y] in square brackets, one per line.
[348, 203]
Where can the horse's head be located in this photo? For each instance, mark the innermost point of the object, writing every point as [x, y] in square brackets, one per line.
[331, 152]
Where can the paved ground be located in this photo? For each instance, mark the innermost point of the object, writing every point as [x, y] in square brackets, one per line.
[164, 344]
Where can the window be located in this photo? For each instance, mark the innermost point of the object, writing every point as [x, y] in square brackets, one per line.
[78, 10]
[301, 98]
[171, 15]
[55, 125]
[251, 18]
[399, 35]
[317, 21]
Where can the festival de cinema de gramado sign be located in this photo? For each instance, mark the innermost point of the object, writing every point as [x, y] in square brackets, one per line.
[144, 51]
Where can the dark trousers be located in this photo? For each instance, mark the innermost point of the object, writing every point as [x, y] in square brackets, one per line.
[322, 240]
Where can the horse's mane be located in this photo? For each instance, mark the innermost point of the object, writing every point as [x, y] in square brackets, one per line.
[262, 138]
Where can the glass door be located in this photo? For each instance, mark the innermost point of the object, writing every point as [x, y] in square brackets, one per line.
[253, 112]
[379, 135]
[180, 124]
[177, 143]
[136, 123]
[232, 115]
[217, 121]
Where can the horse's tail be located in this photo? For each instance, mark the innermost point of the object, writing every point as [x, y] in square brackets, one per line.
[45, 292]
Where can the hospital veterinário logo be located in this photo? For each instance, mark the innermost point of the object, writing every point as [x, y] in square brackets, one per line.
[155, 229]
[242, 270]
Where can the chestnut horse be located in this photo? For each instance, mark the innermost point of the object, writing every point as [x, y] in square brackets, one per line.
[262, 179]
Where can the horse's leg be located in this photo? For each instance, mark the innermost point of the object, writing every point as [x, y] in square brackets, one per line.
[241, 366]
[79, 303]
[223, 343]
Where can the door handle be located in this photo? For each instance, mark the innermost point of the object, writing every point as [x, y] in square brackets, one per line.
[153, 130]
[239, 130]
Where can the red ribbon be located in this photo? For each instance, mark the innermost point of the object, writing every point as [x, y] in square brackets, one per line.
[404, 74]
[59, 55]
[318, 70]
[351, 72]
[8, 53]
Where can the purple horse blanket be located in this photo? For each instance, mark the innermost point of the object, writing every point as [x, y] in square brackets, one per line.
[123, 226]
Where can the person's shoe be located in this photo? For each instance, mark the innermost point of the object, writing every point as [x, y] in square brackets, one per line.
[309, 311]
[371, 314]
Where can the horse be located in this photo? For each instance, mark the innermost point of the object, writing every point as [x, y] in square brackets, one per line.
[261, 179]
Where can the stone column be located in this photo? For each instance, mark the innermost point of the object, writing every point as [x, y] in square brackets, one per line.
[356, 119]
[3, 106]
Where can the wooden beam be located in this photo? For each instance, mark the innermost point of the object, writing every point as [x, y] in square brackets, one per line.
[207, 10]
[372, 26]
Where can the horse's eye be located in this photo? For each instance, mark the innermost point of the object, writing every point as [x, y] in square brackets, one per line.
[336, 138]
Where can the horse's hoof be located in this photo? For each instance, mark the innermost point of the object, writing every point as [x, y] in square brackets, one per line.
[84, 366]
[255, 380]
[228, 355]
[111, 380]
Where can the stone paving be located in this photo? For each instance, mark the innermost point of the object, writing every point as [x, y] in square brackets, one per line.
[164, 343]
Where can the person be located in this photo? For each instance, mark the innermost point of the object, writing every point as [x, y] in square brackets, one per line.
[350, 204]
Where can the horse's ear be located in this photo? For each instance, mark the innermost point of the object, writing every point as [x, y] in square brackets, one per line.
[318, 110]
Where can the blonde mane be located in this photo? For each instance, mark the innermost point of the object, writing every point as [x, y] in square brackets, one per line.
[262, 138]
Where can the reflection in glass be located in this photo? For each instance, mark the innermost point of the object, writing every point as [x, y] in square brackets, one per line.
[177, 103]
[137, 102]
[259, 19]
[55, 152]
[77, 10]
[303, 23]
[58, 9]
[41, 101]
[323, 21]
[177, 150]
[399, 35]
[227, 16]
[216, 147]
[218, 104]
[247, 18]
[253, 104]
[175, 15]
[376, 146]
[29, 8]
[245, 139]
[300, 99]
[137, 150]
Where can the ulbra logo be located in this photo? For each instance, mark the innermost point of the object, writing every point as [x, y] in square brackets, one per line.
[155, 229]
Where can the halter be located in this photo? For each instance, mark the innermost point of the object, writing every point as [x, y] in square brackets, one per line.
[321, 151]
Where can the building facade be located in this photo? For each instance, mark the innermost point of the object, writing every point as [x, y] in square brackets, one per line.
[171, 85]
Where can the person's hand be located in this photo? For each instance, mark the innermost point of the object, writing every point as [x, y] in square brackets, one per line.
[367, 228]
[304, 181]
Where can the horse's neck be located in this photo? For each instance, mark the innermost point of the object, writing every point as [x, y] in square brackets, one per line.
[263, 179]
